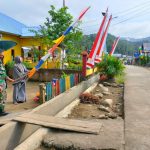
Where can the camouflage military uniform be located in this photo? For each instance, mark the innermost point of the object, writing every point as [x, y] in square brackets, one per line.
[3, 94]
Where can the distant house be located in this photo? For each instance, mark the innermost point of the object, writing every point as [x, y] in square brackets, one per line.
[11, 29]
[146, 47]
[117, 55]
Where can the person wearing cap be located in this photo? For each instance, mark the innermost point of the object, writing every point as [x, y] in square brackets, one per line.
[3, 85]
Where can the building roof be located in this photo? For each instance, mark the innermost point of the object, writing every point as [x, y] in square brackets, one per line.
[27, 31]
[146, 46]
[10, 25]
[117, 55]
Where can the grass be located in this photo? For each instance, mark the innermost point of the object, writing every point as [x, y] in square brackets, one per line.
[120, 78]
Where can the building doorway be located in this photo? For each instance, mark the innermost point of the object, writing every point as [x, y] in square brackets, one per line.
[12, 54]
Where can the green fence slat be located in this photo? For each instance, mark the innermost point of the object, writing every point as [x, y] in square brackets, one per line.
[54, 90]
[71, 80]
[62, 85]
[48, 91]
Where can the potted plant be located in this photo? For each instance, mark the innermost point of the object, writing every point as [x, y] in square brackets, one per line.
[110, 67]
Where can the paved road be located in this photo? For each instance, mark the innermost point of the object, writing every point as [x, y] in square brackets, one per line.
[137, 109]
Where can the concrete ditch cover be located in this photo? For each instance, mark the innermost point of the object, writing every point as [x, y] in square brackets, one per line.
[61, 123]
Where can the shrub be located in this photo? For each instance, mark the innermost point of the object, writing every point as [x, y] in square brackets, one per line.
[144, 60]
[63, 75]
[9, 65]
[27, 64]
[74, 66]
[111, 66]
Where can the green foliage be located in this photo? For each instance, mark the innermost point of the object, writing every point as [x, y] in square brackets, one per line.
[10, 65]
[73, 60]
[27, 64]
[120, 78]
[74, 63]
[87, 41]
[74, 66]
[144, 60]
[124, 47]
[111, 66]
[64, 75]
[54, 26]
[37, 53]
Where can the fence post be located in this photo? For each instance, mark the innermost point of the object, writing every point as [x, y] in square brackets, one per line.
[84, 60]
[42, 92]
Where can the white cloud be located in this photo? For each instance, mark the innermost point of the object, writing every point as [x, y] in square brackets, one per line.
[133, 29]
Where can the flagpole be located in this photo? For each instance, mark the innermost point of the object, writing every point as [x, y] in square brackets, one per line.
[64, 4]
[58, 41]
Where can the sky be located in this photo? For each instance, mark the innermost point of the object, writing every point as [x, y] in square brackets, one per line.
[131, 17]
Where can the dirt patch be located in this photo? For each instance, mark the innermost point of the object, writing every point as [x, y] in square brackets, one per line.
[31, 89]
[89, 111]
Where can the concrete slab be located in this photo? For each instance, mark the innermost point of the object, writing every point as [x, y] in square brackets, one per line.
[137, 108]
[110, 137]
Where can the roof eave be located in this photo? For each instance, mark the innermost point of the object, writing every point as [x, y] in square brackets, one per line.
[9, 33]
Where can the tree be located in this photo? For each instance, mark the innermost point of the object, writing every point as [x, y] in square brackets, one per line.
[54, 26]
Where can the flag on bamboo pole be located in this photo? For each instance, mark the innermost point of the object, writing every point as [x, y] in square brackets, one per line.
[103, 41]
[114, 45]
[90, 62]
[58, 41]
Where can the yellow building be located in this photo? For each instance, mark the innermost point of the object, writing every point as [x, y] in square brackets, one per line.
[13, 30]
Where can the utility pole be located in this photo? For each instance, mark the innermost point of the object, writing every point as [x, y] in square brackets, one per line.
[64, 3]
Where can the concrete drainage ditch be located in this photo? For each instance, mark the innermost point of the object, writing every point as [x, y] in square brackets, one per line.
[14, 135]
[20, 136]
[112, 134]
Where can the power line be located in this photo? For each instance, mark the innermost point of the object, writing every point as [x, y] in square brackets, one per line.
[136, 6]
[132, 17]
[129, 12]
[122, 12]
[134, 9]
[136, 15]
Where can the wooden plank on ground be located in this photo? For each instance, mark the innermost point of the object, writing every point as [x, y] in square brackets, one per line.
[61, 123]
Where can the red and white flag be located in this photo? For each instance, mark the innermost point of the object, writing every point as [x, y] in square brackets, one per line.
[102, 43]
[90, 62]
[114, 46]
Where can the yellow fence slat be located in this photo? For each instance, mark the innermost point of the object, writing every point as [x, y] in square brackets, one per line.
[91, 71]
[67, 79]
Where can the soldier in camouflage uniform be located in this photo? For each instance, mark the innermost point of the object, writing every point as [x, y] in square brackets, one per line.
[3, 78]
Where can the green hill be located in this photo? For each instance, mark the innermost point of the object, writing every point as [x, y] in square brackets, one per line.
[124, 46]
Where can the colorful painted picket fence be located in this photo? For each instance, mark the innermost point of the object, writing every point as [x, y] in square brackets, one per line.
[58, 86]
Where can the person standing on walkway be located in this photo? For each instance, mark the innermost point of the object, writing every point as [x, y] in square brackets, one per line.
[19, 74]
[3, 86]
